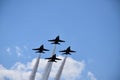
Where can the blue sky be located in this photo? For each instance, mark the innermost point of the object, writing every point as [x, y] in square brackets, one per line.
[92, 28]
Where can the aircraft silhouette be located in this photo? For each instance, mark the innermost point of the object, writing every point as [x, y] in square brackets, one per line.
[56, 40]
[41, 49]
[67, 51]
[53, 58]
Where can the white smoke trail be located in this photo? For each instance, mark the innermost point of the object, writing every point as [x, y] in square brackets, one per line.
[47, 71]
[54, 50]
[48, 67]
[57, 77]
[32, 76]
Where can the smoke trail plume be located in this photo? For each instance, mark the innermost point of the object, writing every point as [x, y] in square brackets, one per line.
[57, 77]
[54, 50]
[48, 67]
[47, 71]
[32, 76]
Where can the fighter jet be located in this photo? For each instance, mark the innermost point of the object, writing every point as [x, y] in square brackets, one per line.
[53, 58]
[56, 40]
[67, 51]
[41, 49]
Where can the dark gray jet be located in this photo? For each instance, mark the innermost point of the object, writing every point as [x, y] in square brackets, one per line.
[53, 58]
[41, 49]
[67, 51]
[56, 40]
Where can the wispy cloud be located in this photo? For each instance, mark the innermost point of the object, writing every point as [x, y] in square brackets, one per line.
[19, 71]
[25, 47]
[91, 76]
[8, 50]
[18, 51]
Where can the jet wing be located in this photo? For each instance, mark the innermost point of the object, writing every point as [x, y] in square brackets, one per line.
[61, 41]
[72, 51]
[52, 61]
[58, 59]
[45, 49]
[63, 51]
[36, 49]
[51, 40]
[66, 53]
[48, 58]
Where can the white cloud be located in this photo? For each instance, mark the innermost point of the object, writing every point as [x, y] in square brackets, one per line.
[19, 71]
[71, 71]
[8, 50]
[91, 76]
[18, 51]
[25, 47]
